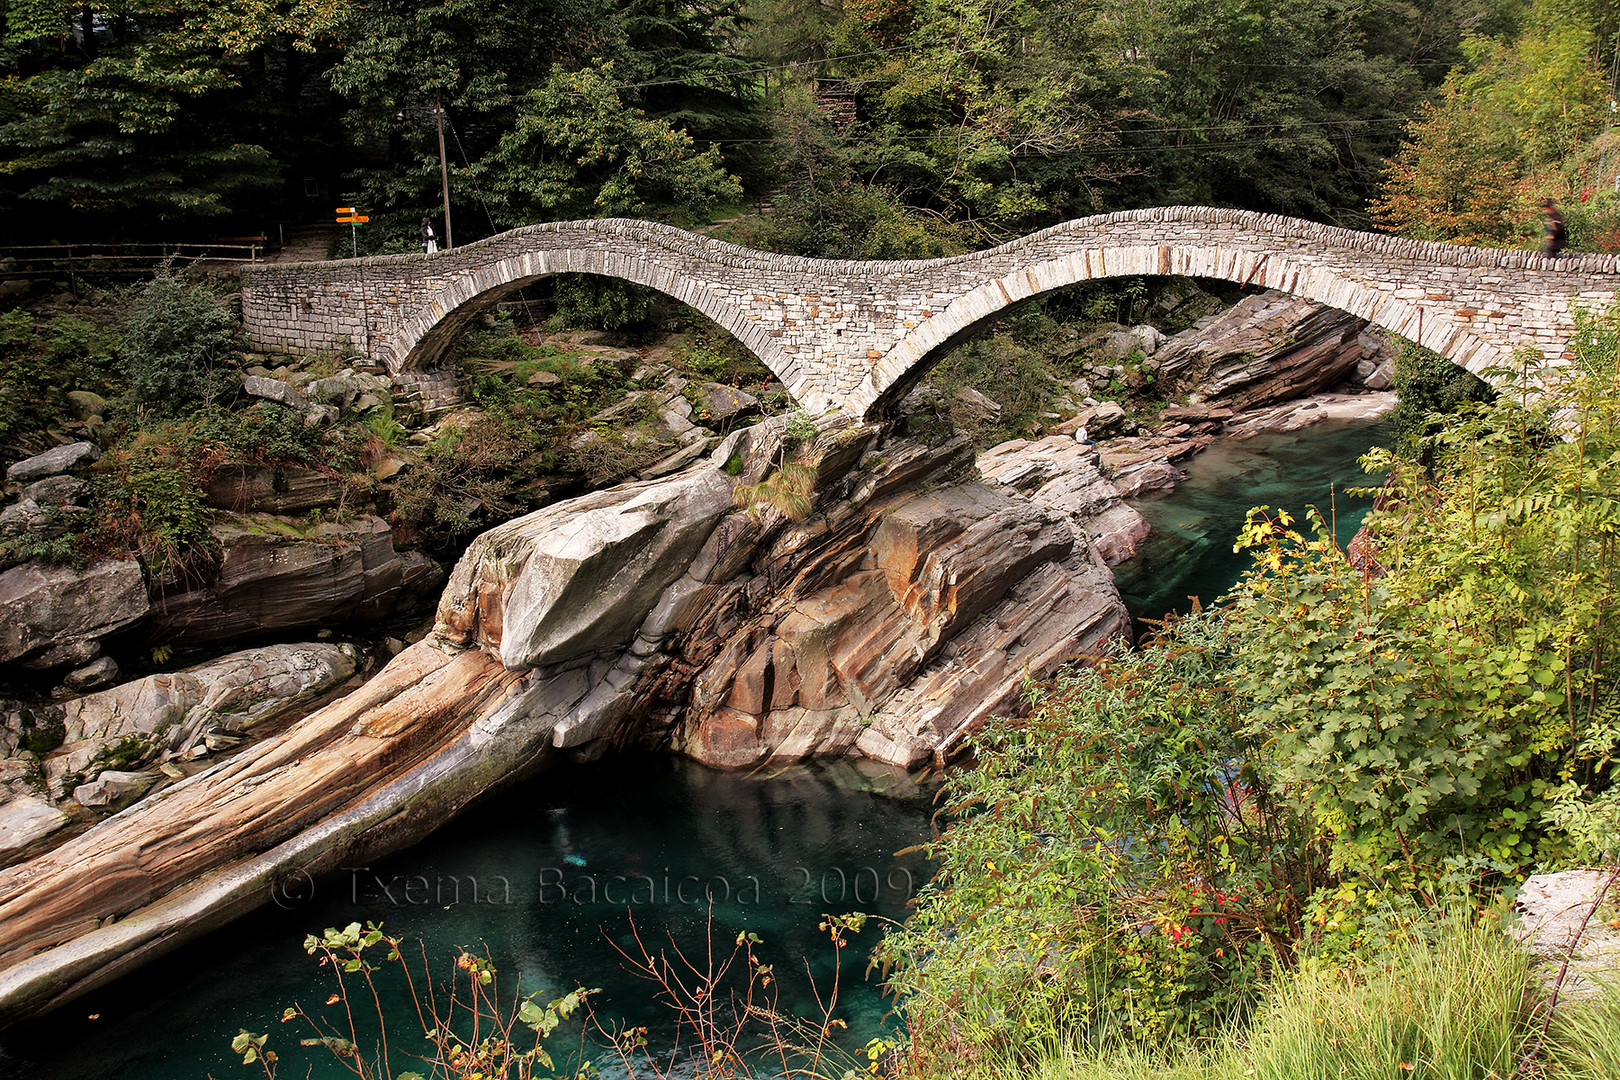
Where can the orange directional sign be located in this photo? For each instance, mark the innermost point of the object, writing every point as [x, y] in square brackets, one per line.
[354, 219]
[345, 209]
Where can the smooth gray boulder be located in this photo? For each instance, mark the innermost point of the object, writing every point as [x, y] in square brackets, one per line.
[58, 459]
[273, 390]
[25, 819]
[55, 616]
[580, 576]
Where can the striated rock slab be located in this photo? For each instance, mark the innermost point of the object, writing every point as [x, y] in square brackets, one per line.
[1265, 349]
[367, 774]
[246, 488]
[273, 577]
[55, 616]
[1065, 476]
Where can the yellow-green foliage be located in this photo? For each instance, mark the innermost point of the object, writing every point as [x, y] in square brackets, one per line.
[1457, 704]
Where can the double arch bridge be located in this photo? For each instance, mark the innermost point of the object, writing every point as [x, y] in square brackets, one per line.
[856, 335]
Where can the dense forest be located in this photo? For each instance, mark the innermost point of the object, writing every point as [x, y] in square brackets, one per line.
[867, 128]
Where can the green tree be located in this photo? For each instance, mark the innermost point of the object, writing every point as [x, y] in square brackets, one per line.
[155, 113]
[576, 150]
[527, 92]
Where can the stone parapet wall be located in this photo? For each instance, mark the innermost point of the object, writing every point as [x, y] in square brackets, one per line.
[852, 335]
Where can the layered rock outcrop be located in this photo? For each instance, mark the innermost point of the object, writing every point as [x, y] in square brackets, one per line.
[912, 602]
[1265, 349]
[273, 576]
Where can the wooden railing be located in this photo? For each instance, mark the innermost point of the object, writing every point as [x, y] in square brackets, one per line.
[110, 260]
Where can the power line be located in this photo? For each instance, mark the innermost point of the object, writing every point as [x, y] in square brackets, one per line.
[955, 135]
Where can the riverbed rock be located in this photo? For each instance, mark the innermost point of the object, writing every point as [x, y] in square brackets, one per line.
[275, 574]
[24, 821]
[350, 391]
[57, 491]
[57, 460]
[100, 672]
[1066, 477]
[907, 607]
[1267, 348]
[243, 487]
[55, 616]
[274, 390]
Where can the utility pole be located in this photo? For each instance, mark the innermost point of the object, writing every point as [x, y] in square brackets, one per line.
[444, 172]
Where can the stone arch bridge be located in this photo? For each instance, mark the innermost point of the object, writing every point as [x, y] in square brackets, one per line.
[856, 335]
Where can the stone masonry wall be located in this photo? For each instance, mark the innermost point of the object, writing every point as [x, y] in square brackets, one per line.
[852, 335]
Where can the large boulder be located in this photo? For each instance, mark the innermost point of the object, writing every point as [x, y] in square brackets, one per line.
[578, 577]
[53, 462]
[56, 616]
[1267, 348]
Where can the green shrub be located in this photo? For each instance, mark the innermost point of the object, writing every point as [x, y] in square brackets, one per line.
[179, 345]
[1445, 707]
[1456, 1002]
[475, 477]
[1117, 868]
[150, 499]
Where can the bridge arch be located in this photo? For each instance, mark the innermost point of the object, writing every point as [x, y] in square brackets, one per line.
[427, 332]
[855, 335]
[916, 354]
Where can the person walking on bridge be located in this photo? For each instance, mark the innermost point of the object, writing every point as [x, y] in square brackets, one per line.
[430, 243]
[1557, 233]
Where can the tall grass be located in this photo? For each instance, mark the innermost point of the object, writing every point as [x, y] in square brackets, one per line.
[1460, 1004]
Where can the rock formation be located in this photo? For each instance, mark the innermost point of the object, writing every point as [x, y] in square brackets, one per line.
[912, 602]
[1265, 349]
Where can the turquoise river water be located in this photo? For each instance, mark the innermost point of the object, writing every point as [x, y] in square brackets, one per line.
[549, 877]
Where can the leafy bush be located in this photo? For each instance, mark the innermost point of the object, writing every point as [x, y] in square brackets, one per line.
[1462, 702]
[267, 433]
[1117, 868]
[179, 344]
[150, 500]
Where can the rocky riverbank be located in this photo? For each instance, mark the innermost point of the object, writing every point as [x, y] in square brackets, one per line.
[788, 591]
